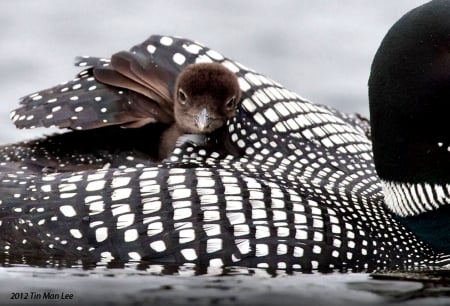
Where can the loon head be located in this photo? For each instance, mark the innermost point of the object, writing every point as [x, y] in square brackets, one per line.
[409, 94]
[206, 95]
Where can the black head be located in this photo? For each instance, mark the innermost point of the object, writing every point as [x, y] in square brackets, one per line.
[206, 96]
[409, 93]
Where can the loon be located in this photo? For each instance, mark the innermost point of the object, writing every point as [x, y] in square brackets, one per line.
[302, 194]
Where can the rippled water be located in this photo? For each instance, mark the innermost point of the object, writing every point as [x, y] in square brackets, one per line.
[321, 49]
[158, 285]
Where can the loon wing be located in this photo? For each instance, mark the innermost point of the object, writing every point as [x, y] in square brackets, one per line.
[130, 89]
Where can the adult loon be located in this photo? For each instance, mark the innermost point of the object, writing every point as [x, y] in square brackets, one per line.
[300, 194]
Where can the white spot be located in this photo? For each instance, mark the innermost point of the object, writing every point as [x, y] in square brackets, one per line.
[101, 234]
[298, 251]
[243, 245]
[215, 55]
[213, 245]
[151, 207]
[78, 109]
[68, 211]
[74, 98]
[182, 213]
[76, 86]
[158, 246]
[46, 188]
[106, 256]
[120, 182]
[243, 84]
[181, 193]
[179, 58]
[166, 41]
[88, 199]
[262, 249]
[67, 195]
[124, 221]
[186, 235]
[103, 110]
[134, 256]
[148, 174]
[38, 97]
[95, 185]
[262, 232]
[120, 209]
[98, 99]
[131, 235]
[56, 108]
[203, 59]
[193, 49]
[92, 88]
[154, 228]
[189, 254]
[30, 117]
[76, 233]
[151, 49]
[121, 193]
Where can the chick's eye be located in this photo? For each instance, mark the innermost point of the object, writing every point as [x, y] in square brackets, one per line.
[182, 97]
[230, 103]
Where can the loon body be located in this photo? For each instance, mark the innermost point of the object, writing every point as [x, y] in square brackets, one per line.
[302, 194]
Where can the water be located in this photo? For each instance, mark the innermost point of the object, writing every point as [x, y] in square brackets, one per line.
[321, 50]
[231, 286]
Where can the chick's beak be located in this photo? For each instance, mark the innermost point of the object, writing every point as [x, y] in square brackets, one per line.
[202, 120]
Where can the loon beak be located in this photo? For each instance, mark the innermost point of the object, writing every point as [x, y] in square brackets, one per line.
[202, 120]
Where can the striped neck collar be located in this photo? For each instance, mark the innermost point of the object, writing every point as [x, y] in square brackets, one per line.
[406, 199]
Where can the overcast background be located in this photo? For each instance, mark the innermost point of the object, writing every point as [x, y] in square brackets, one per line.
[320, 49]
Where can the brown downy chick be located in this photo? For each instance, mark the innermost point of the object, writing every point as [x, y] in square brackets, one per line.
[206, 95]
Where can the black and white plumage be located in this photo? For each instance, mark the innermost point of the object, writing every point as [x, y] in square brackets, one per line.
[131, 89]
[302, 195]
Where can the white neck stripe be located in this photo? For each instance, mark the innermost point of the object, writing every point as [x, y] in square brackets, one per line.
[405, 199]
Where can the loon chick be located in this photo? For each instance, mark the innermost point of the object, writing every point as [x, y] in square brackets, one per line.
[206, 95]
[409, 93]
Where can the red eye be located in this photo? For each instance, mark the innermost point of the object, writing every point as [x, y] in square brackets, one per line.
[182, 97]
[230, 103]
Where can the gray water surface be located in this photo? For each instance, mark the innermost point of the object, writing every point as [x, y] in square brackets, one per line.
[239, 286]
